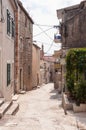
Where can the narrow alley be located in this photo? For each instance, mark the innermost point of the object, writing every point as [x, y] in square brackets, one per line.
[40, 109]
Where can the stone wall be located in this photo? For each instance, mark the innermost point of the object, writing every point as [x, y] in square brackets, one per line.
[73, 28]
[76, 31]
[35, 66]
[23, 50]
[81, 108]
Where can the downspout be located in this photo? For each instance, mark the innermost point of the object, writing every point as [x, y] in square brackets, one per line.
[16, 53]
[2, 17]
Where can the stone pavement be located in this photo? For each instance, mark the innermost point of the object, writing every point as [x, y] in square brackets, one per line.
[41, 109]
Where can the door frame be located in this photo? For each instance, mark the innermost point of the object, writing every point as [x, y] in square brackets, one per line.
[21, 78]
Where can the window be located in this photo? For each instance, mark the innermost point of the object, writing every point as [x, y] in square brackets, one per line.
[10, 25]
[25, 21]
[30, 27]
[8, 22]
[8, 73]
[21, 45]
[13, 27]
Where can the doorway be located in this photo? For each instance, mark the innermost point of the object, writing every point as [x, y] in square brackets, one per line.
[21, 79]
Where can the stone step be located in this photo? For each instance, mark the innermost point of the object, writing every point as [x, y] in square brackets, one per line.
[1, 101]
[15, 97]
[4, 107]
[22, 92]
[13, 109]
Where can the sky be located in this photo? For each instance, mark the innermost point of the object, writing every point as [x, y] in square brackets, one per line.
[43, 13]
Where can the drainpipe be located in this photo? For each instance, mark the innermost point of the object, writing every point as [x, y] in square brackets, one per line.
[16, 60]
[2, 17]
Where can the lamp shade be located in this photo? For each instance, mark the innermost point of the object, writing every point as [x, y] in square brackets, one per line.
[57, 38]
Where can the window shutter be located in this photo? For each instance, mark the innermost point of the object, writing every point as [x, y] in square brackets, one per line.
[13, 28]
[8, 73]
[8, 22]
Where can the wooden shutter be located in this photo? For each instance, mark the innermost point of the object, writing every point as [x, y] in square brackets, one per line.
[8, 73]
[13, 28]
[8, 22]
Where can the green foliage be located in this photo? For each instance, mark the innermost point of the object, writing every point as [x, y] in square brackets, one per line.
[76, 68]
[80, 91]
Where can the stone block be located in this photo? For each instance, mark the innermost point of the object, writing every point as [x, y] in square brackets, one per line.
[81, 108]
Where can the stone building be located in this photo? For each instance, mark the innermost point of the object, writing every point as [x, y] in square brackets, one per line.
[23, 50]
[46, 67]
[35, 66]
[73, 25]
[73, 31]
[7, 22]
[58, 70]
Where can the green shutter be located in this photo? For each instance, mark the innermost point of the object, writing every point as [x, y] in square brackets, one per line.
[13, 27]
[8, 22]
[8, 73]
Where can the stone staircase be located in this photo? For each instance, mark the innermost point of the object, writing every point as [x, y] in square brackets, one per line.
[8, 107]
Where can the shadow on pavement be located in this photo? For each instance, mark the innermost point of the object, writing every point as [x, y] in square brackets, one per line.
[55, 95]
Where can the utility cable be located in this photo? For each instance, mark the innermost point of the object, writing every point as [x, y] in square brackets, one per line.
[47, 36]
[42, 32]
[45, 33]
[49, 47]
[45, 43]
[45, 25]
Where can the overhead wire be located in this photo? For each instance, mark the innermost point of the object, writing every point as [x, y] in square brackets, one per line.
[44, 25]
[45, 43]
[47, 36]
[49, 48]
[42, 32]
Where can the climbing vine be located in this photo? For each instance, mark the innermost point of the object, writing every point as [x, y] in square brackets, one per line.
[76, 73]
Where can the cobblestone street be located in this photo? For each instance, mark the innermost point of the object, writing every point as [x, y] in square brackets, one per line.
[41, 109]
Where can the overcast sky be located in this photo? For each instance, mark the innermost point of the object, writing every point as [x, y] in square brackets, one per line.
[43, 12]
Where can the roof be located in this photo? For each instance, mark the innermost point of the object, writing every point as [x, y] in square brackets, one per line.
[72, 7]
[49, 58]
[60, 12]
[69, 8]
[36, 46]
[21, 6]
[57, 53]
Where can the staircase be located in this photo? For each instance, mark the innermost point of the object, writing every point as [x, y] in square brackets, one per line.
[8, 107]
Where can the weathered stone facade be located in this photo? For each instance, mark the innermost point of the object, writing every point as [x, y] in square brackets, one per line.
[35, 66]
[47, 65]
[7, 18]
[73, 26]
[23, 49]
[73, 31]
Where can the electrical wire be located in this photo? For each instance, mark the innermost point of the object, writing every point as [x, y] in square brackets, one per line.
[45, 43]
[44, 25]
[45, 32]
[42, 32]
[49, 47]
[47, 36]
